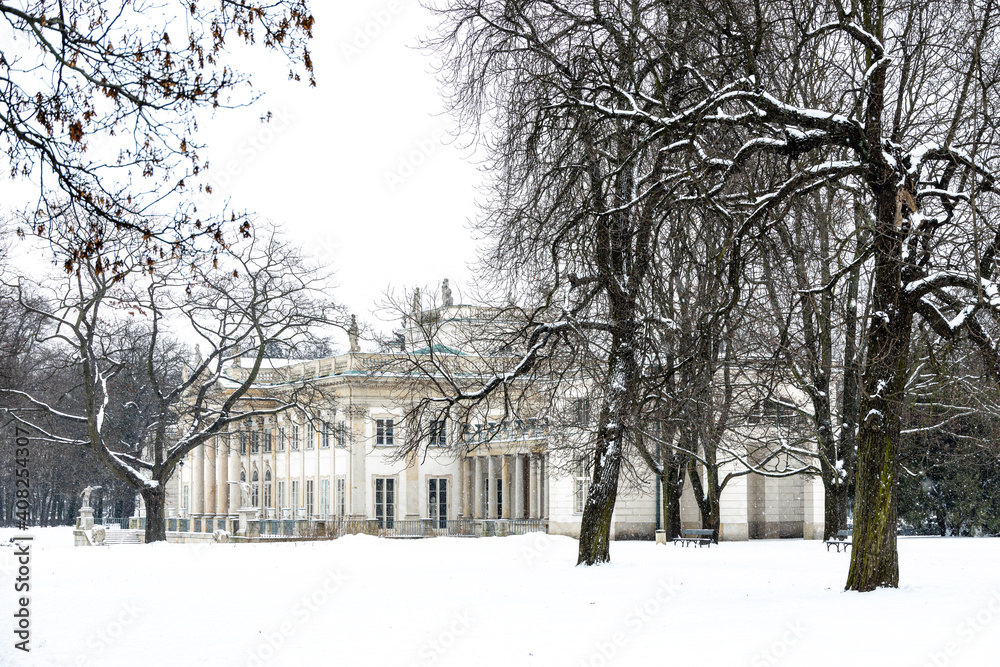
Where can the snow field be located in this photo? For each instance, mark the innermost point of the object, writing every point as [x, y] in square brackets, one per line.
[498, 601]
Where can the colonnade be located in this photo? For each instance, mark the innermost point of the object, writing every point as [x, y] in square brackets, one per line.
[504, 486]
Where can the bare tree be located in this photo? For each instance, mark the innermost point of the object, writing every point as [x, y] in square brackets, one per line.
[96, 101]
[254, 295]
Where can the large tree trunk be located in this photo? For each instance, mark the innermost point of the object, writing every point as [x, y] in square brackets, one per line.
[616, 417]
[874, 560]
[835, 515]
[672, 483]
[156, 525]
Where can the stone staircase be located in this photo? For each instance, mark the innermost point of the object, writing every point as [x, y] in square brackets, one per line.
[119, 536]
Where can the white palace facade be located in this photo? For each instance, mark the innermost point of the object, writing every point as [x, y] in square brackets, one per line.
[338, 468]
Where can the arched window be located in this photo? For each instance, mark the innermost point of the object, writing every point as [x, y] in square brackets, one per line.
[267, 488]
[254, 489]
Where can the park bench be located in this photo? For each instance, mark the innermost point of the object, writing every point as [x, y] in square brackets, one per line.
[697, 536]
[842, 539]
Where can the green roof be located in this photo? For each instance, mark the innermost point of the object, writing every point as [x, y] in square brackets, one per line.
[439, 349]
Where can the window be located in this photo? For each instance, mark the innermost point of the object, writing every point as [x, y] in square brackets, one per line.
[254, 489]
[324, 497]
[437, 501]
[254, 442]
[295, 438]
[294, 500]
[267, 441]
[325, 442]
[243, 443]
[772, 412]
[310, 437]
[384, 432]
[581, 411]
[267, 488]
[341, 496]
[385, 501]
[281, 438]
[186, 500]
[281, 494]
[498, 485]
[309, 497]
[341, 434]
[581, 486]
[439, 433]
[472, 432]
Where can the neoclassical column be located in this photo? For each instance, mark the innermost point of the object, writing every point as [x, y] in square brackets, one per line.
[357, 445]
[491, 487]
[532, 487]
[221, 473]
[463, 484]
[209, 478]
[545, 486]
[234, 475]
[518, 486]
[198, 480]
[477, 488]
[505, 475]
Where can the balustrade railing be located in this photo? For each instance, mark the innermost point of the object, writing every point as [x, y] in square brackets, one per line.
[334, 527]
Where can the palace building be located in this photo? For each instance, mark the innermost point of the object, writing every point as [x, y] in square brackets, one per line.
[338, 466]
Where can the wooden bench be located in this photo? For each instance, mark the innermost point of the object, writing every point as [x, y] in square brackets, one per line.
[842, 539]
[699, 536]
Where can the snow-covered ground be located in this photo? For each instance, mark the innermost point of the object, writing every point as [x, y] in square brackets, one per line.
[499, 601]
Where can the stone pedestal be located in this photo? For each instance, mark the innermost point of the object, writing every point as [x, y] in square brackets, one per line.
[247, 514]
[86, 519]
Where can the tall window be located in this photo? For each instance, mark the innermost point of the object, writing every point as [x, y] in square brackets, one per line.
[267, 441]
[294, 500]
[581, 486]
[186, 500]
[384, 432]
[385, 501]
[325, 442]
[581, 411]
[281, 493]
[295, 438]
[281, 438]
[254, 442]
[437, 501]
[439, 433]
[243, 443]
[341, 496]
[267, 488]
[498, 485]
[324, 497]
[341, 434]
[254, 489]
[310, 437]
[309, 497]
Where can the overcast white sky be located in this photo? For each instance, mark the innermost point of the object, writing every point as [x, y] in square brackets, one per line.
[361, 170]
